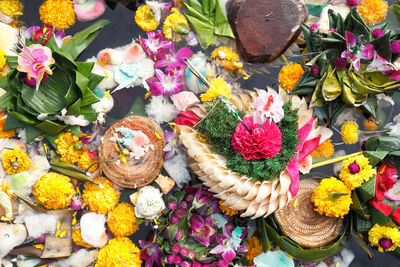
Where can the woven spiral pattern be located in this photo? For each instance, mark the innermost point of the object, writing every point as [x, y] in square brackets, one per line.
[301, 223]
[135, 173]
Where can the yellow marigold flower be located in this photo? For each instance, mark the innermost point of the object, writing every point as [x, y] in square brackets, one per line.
[227, 210]
[15, 161]
[101, 199]
[69, 147]
[370, 125]
[254, 248]
[5, 134]
[332, 198]
[324, 150]
[119, 251]
[384, 237]
[59, 13]
[218, 88]
[11, 8]
[355, 171]
[145, 18]
[225, 56]
[54, 191]
[349, 132]
[77, 239]
[3, 62]
[175, 26]
[373, 11]
[289, 75]
[85, 161]
[122, 221]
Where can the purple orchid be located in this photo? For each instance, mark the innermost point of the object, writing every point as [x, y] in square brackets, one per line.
[154, 44]
[172, 146]
[378, 64]
[201, 197]
[229, 243]
[150, 252]
[202, 228]
[355, 52]
[167, 84]
[173, 60]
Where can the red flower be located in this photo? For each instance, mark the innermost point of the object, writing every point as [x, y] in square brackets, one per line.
[187, 118]
[263, 142]
[385, 179]
[396, 215]
[382, 207]
[43, 35]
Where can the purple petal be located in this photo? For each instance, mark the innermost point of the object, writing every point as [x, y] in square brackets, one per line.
[183, 53]
[156, 89]
[60, 34]
[351, 39]
[228, 255]
[395, 75]
[242, 249]
[356, 64]
[168, 136]
[160, 75]
[160, 63]
[367, 52]
[169, 155]
[166, 7]
[178, 87]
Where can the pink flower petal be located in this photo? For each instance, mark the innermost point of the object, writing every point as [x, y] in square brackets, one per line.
[184, 52]
[367, 52]
[228, 255]
[351, 39]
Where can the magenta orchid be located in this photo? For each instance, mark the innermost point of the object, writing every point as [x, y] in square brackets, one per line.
[378, 64]
[229, 243]
[173, 60]
[268, 105]
[202, 228]
[154, 44]
[35, 60]
[172, 146]
[167, 83]
[150, 252]
[355, 52]
[393, 71]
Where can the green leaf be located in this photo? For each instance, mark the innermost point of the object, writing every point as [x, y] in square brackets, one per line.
[382, 46]
[371, 106]
[88, 97]
[367, 190]
[264, 236]
[359, 207]
[51, 43]
[378, 217]
[318, 160]
[375, 156]
[306, 84]
[382, 143]
[75, 46]
[31, 133]
[331, 87]
[88, 112]
[314, 9]
[221, 24]
[12, 123]
[50, 127]
[94, 80]
[85, 68]
[362, 225]
[4, 99]
[12, 61]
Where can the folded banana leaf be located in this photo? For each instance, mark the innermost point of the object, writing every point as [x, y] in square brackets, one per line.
[295, 250]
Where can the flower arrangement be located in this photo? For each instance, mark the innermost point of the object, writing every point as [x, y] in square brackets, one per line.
[352, 62]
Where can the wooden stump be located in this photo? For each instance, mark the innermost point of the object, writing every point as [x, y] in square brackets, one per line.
[264, 29]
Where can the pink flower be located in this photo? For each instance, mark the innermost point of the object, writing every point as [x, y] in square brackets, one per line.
[173, 60]
[395, 46]
[262, 143]
[167, 84]
[35, 60]
[377, 33]
[355, 52]
[268, 105]
[314, 27]
[154, 44]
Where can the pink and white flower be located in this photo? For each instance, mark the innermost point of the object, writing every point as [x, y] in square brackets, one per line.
[173, 60]
[35, 60]
[154, 44]
[268, 105]
[355, 52]
[167, 84]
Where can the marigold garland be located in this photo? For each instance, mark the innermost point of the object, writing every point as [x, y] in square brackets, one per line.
[58, 13]
[254, 248]
[120, 251]
[54, 191]
[77, 239]
[384, 237]
[5, 134]
[101, 199]
[145, 18]
[11, 8]
[355, 171]
[373, 11]
[15, 161]
[3, 62]
[324, 150]
[328, 202]
[122, 221]
[85, 161]
[227, 58]
[349, 132]
[289, 75]
[69, 147]
[218, 88]
[370, 125]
